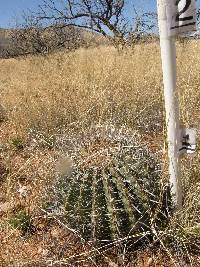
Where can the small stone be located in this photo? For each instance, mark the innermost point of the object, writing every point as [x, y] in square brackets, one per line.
[22, 191]
[149, 262]
[4, 207]
[40, 250]
[55, 232]
[64, 166]
[45, 252]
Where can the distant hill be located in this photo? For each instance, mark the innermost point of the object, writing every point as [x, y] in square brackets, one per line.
[88, 39]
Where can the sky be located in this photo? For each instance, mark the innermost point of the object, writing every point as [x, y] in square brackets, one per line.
[10, 10]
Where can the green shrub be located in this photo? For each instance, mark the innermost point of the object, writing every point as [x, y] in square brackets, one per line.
[22, 221]
[18, 143]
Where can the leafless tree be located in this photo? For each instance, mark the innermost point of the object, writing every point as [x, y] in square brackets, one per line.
[102, 16]
[60, 23]
[107, 17]
[32, 37]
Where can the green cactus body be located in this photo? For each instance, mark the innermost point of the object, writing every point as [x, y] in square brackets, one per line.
[112, 189]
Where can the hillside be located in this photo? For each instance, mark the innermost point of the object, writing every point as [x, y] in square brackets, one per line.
[85, 38]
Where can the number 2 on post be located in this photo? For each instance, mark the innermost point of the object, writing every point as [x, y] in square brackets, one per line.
[181, 16]
[186, 7]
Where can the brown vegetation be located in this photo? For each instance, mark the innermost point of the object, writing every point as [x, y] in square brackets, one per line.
[64, 94]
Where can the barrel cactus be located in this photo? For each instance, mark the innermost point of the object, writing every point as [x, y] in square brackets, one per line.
[112, 187]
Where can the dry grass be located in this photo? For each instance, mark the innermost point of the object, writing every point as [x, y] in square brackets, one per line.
[96, 85]
[93, 85]
[45, 97]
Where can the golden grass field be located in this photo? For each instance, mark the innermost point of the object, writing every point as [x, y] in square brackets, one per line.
[44, 97]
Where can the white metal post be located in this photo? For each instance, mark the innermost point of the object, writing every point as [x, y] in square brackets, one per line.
[168, 55]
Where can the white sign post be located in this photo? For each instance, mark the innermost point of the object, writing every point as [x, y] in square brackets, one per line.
[175, 16]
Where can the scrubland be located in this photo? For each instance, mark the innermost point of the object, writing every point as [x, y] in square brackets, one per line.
[46, 99]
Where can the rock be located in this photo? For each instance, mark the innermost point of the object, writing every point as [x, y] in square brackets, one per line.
[55, 233]
[4, 207]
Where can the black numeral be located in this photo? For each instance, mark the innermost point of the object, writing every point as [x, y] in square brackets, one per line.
[187, 5]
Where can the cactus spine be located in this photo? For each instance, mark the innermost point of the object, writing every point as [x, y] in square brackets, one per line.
[113, 186]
